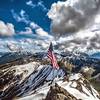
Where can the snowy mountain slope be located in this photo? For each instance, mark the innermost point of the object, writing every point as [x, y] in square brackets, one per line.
[74, 88]
[80, 88]
[26, 78]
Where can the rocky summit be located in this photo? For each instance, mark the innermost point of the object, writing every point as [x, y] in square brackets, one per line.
[29, 76]
[75, 87]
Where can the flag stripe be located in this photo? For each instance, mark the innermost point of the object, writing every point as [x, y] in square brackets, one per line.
[52, 57]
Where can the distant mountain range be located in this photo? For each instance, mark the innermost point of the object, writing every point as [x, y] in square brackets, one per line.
[95, 55]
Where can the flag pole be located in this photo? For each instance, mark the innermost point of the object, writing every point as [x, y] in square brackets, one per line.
[52, 58]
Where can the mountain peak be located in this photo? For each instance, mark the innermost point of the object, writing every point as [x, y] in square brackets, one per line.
[77, 88]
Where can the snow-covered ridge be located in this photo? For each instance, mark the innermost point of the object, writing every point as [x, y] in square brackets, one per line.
[29, 78]
[80, 88]
[75, 85]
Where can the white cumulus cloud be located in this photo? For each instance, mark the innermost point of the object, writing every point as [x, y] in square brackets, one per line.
[33, 25]
[6, 29]
[39, 30]
[72, 15]
[28, 30]
[84, 40]
[79, 22]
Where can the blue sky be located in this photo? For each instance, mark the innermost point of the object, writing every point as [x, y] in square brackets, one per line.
[24, 18]
[34, 10]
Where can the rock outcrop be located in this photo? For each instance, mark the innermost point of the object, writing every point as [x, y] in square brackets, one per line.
[58, 93]
[76, 87]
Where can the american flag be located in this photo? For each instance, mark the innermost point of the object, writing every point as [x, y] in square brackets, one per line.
[52, 57]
